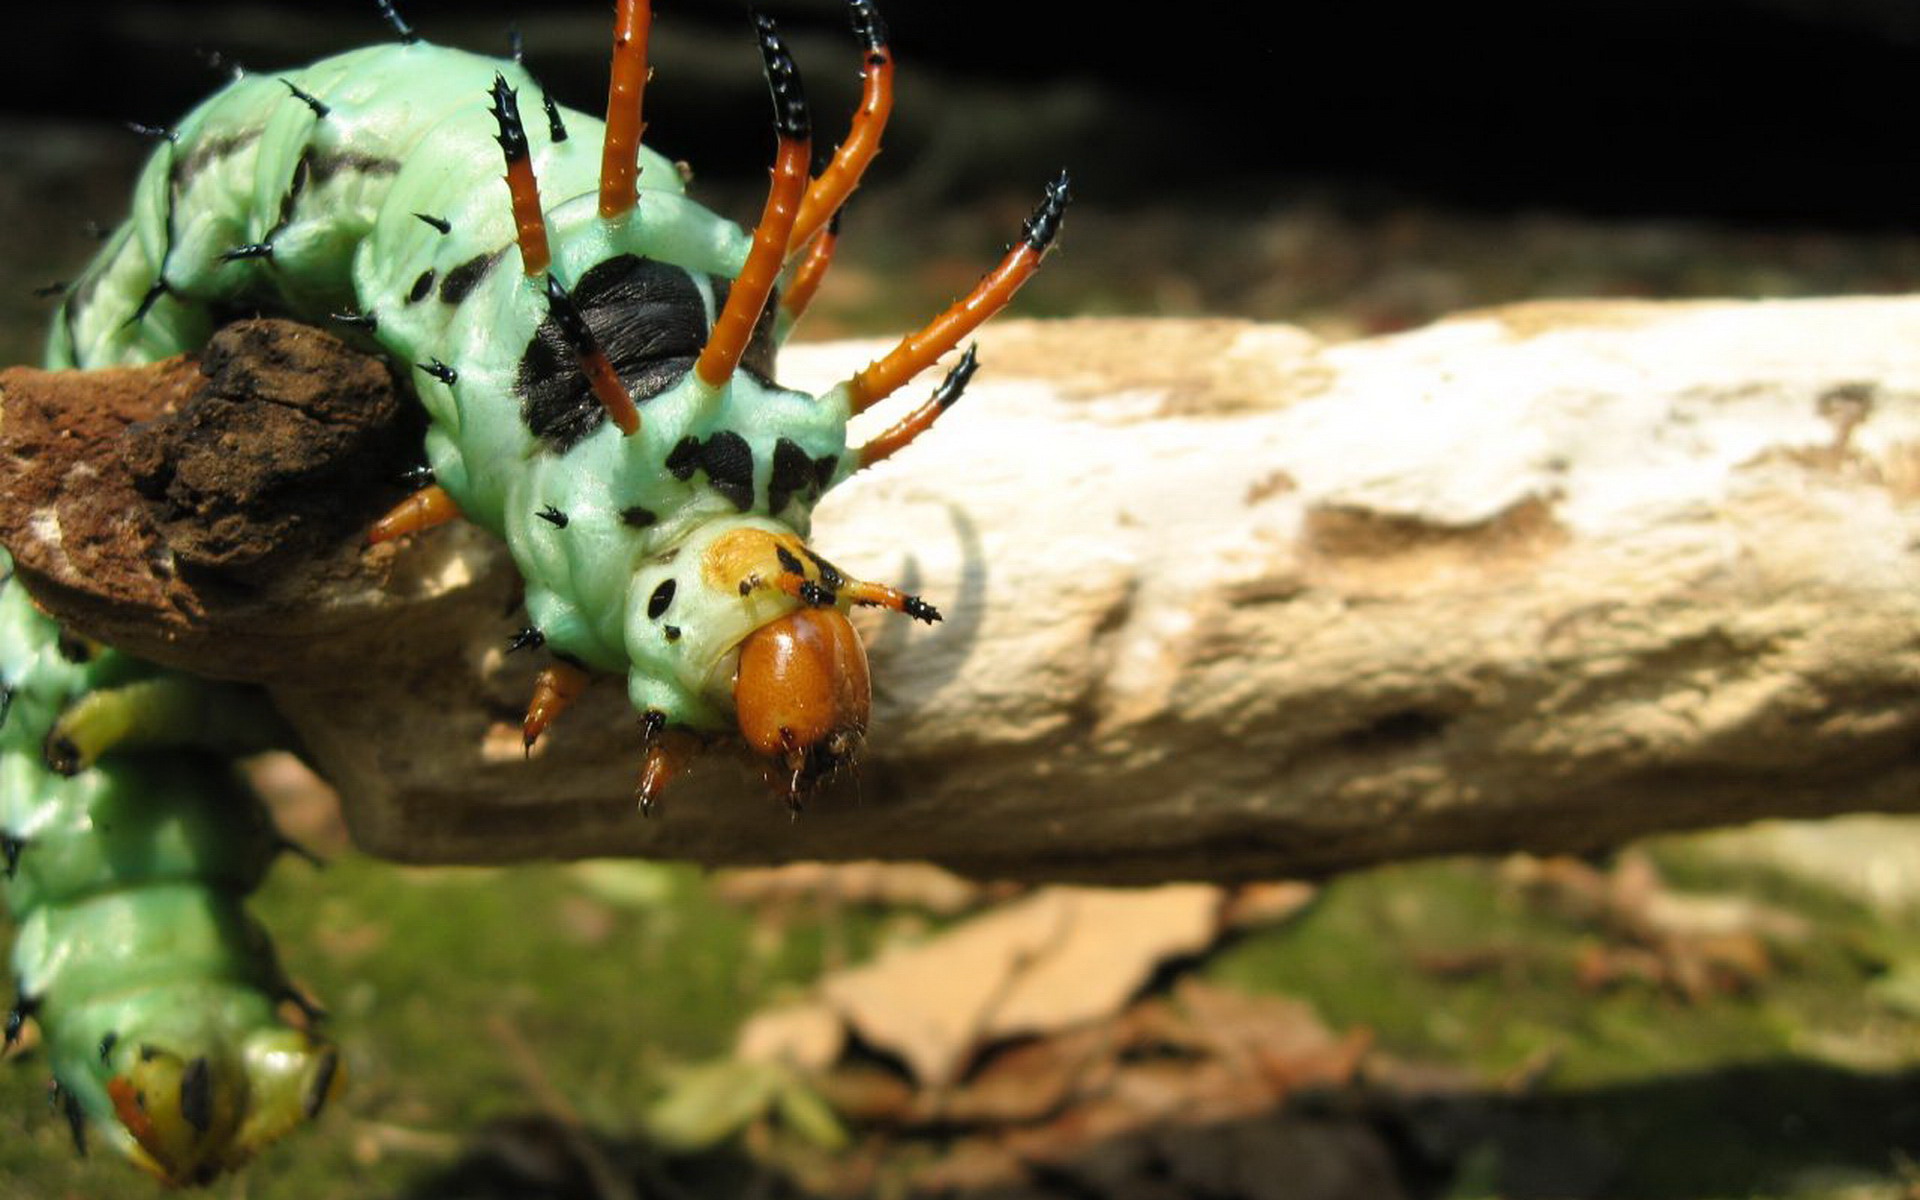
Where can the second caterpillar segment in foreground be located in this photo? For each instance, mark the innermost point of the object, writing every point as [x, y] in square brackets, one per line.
[594, 350]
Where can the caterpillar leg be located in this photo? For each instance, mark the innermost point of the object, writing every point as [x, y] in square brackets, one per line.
[168, 710]
[429, 506]
[554, 691]
[669, 752]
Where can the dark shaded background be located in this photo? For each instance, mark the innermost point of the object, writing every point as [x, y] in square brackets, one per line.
[1776, 111]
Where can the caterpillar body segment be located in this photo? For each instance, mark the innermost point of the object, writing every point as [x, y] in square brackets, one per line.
[594, 349]
[158, 996]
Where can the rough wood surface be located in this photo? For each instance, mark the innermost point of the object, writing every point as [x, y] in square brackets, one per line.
[1222, 601]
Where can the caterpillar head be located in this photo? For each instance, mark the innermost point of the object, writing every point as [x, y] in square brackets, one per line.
[192, 1120]
[646, 392]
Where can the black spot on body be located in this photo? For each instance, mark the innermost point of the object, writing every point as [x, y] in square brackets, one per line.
[788, 562]
[684, 458]
[553, 517]
[529, 638]
[75, 650]
[107, 1044]
[829, 574]
[672, 632]
[11, 848]
[792, 474]
[637, 516]
[648, 319]
[728, 462]
[661, 598]
[460, 282]
[421, 287]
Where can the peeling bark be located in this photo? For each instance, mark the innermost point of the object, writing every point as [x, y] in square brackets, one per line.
[1222, 601]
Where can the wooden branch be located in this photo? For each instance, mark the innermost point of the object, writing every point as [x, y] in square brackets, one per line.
[1222, 601]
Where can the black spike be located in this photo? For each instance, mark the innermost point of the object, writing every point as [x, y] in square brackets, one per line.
[399, 23]
[439, 223]
[529, 638]
[790, 117]
[573, 326]
[47, 290]
[97, 231]
[313, 1013]
[147, 301]
[958, 378]
[11, 848]
[816, 595]
[287, 845]
[322, 1086]
[516, 45]
[6, 703]
[556, 128]
[216, 60]
[868, 26]
[366, 321]
[307, 98]
[920, 610]
[506, 113]
[23, 1007]
[417, 477]
[69, 1105]
[107, 1044]
[439, 370]
[1039, 231]
[652, 722]
[250, 250]
[157, 132]
[196, 1094]
[553, 517]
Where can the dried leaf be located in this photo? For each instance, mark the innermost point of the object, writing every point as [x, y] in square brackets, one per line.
[1055, 959]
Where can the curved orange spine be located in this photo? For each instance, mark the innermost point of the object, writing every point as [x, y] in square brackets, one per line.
[626, 83]
[827, 193]
[812, 269]
[733, 328]
[918, 351]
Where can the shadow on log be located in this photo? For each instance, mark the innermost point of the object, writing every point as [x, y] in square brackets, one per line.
[1223, 601]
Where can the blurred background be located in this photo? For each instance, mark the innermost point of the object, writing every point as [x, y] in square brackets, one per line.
[1733, 1014]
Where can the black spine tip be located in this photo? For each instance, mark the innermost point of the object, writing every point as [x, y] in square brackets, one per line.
[652, 723]
[1044, 225]
[107, 1044]
[556, 128]
[47, 291]
[366, 321]
[957, 379]
[307, 98]
[61, 755]
[573, 326]
[529, 638]
[869, 27]
[157, 132]
[441, 371]
[553, 517]
[439, 223]
[790, 118]
[417, 477]
[11, 848]
[250, 250]
[920, 610]
[398, 22]
[69, 1105]
[322, 1086]
[516, 45]
[23, 1007]
[506, 110]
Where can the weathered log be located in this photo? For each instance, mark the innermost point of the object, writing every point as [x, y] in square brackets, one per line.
[1222, 601]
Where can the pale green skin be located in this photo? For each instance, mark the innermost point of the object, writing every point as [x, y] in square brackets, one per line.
[128, 891]
[354, 243]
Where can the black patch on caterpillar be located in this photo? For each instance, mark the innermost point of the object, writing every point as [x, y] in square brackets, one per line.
[107, 1044]
[757, 359]
[75, 650]
[553, 517]
[211, 151]
[326, 166]
[648, 319]
[788, 562]
[461, 281]
[6, 703]
[661, 598]
[421, 287]
[725, 457]
[11, 848]
[672, 632]
[796, 475]
[23, 1007]
[829, 574]
[637, 516]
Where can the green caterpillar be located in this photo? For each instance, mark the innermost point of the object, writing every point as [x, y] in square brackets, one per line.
[595, 353]
[156, 994]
